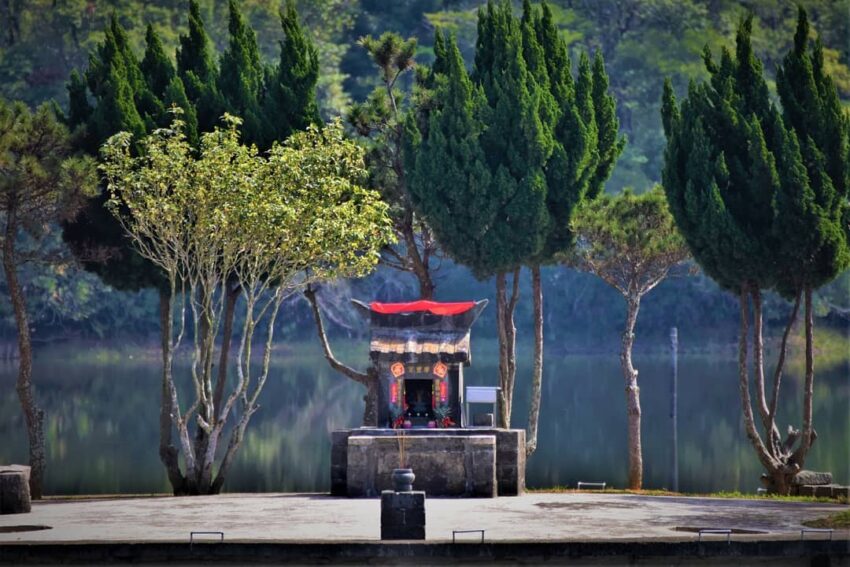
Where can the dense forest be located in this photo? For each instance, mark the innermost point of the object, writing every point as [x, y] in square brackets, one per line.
[642, 42]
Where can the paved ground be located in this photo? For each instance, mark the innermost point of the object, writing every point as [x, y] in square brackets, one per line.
[319, 518]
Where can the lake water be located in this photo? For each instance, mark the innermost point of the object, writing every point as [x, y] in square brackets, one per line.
[102, 421]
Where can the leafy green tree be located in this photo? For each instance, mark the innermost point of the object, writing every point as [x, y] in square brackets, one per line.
[260, 219]
[513, 146]
[755, 214]
[630, 242]
[812, 205]
[586, 146]
[290, 103]
[41, 183]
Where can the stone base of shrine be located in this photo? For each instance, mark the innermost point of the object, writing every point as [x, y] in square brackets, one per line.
[469, 462]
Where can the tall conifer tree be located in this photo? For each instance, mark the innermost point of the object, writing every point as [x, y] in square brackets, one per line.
[753, 197]
[290, 103]
[240, 79]
[197, 69]
[815, 221]
[586, 146]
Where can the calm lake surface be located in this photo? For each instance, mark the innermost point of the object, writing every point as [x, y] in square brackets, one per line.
[102, 420]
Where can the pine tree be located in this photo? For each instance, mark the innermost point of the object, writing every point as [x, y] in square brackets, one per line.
[240, 79]
[290, 103]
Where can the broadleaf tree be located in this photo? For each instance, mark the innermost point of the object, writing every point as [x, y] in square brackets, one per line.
[277, 224]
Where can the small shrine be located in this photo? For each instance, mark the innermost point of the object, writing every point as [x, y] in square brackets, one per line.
[420, 350]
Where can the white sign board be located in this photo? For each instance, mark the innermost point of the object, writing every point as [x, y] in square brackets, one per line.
[481, 394]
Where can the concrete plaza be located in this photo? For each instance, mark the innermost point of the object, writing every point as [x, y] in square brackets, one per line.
[533, 517]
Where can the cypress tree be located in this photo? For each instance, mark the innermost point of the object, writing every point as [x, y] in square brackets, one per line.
[175, 95]
[114, 79]
[197, 69]
[586, 146]
[240, 79]
[156, 66]
[290, 103]
[747, 192]
[450, 176]
[609, 144]
[519, 113]
[814, 221]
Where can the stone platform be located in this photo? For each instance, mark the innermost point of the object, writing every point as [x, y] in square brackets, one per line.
[468, 462]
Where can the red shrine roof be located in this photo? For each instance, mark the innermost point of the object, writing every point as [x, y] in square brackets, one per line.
[433, 307]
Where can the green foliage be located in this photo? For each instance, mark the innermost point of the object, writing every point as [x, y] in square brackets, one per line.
[261, 218]
[813, 204]
[629, 241]
[136, 97]
[720, 172]
[754, 194]
[42, 182]
[240, 79]
[449, 177]
[291, 87]
[197, 69]
[549, 140]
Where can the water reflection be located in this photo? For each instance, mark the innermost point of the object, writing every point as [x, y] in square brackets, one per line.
[102, 423]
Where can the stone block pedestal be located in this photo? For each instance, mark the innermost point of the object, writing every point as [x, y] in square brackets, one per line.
[402, 515]
[467, 462]
[14, 489]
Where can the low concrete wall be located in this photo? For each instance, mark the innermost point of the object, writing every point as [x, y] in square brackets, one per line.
[443, 465]
[773, 553]
[510, 457]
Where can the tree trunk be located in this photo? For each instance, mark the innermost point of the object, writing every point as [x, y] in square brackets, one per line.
[505, 309]
[770, 463]
[537, 370]
[369, 379]
[758, 362]
[808, 433]
[418, 263]
[233, 293]
[775, 442]
[202, 439]
[34, 416]
[168, 453]
[630, 374]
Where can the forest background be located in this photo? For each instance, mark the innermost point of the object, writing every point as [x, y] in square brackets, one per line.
[643, 41]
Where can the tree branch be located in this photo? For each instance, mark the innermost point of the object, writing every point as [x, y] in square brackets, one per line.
[361, 377]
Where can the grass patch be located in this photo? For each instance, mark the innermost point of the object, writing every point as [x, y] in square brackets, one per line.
[721, 494]
[837, 521]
